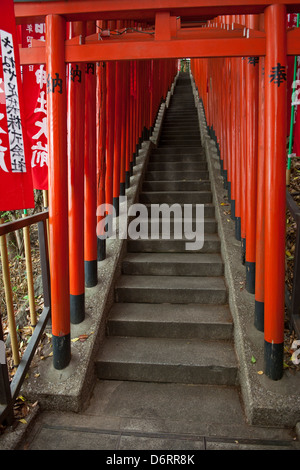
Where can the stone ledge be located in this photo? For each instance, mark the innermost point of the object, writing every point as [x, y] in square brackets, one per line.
[266, 402]
[69, 389]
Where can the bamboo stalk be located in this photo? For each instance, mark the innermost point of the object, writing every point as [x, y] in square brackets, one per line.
[9, 300]
[33, 319]
[46, 206]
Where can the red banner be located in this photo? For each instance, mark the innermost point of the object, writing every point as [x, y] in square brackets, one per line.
[15, 175]
[34, 88]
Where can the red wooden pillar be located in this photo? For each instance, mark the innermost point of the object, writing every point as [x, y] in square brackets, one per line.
[252, 21]
[138, 110]
[117, 136]
[224, 147]
[260, 226]
[243, 104]
[233, 80]
[134, 115]
[275, 201]
[76, 108]
[58, 183]
[129, 124]
[152, 99]
[228, 127]
[90, 172]
[101, 151]
[110, 135]
[238, 152]
[238, 205]
[124, 125]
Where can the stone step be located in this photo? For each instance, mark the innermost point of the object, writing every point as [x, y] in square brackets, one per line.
[179, 211]
[173, 264]
[167, 360]
[173, 150]
[176, 175]
[173, 121]
[183, 132]
[180, 143]
[177, 112]
[180, 128]
[184, 100]
[176, 186]
[170, 322]
[191, 114]
[168, 157]
[171, 289]
[177, 166]
[179, 135]
[174, 138]
[173, 197]
[210, 322]
[211, 245]
[159, 224]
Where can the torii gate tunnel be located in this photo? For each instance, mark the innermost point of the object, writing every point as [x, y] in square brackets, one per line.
[95, 125]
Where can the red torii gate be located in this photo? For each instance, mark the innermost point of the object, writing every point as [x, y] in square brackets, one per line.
[172, 33]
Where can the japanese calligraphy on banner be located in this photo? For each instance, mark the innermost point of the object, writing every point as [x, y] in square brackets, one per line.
[34, 88]
[15, 175]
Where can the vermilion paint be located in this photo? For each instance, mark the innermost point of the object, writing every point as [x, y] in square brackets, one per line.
[58, 197]
[275, 202]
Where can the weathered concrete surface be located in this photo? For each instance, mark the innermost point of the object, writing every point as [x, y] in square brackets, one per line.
[267, 402]
[118, 415]
[69, 389]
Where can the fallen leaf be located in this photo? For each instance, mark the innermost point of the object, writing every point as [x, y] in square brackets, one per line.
[83, 337]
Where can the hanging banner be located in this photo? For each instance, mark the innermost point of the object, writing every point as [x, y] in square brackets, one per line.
[15, 175]
[293, 92]
[35, 106]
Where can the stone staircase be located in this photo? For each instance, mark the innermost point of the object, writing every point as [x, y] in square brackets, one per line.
[170, 322]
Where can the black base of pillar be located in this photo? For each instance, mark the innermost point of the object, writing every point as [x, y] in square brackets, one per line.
[243, 246]
[232, 212]
[145, 134]
[101, 249]
[122, 189]
[61, 346]
[131, 167]
[250, 277]
[229, 191]
[225, 179]
[238, 228]
[221, 165]
[274, 360]
[90, 273]
[259, 315]
[127, 179]
[116, 206]
[77, 310]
